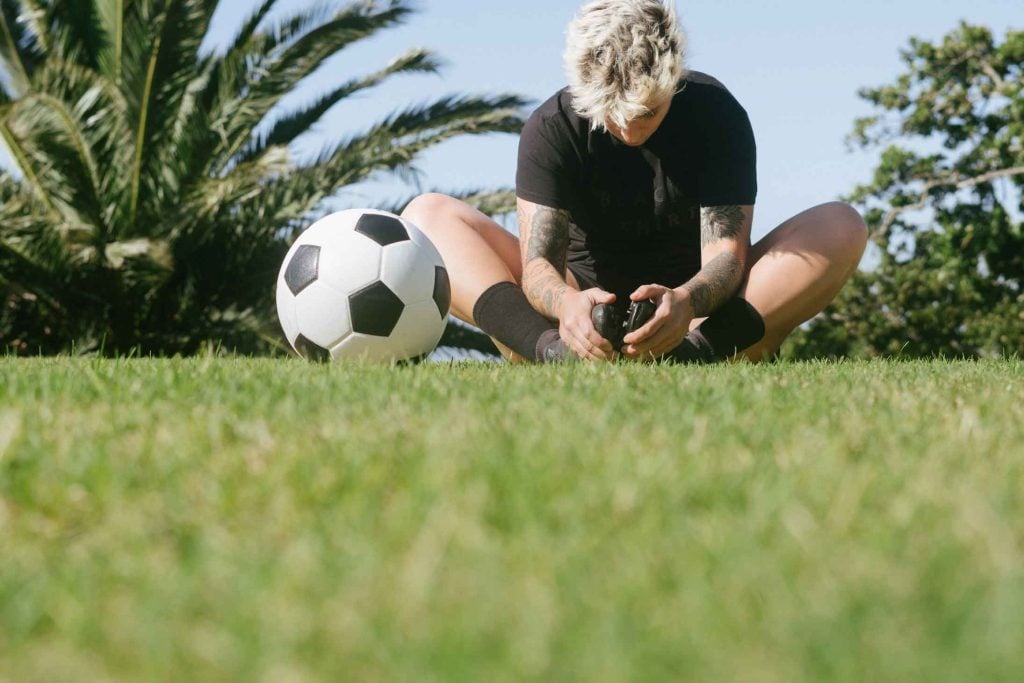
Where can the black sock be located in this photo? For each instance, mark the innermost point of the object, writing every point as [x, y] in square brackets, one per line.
[504, 312]
[734, 327]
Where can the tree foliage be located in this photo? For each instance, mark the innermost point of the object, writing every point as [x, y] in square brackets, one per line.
[151, 193]
[944, 206]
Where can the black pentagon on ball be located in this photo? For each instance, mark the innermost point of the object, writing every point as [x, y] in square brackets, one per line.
[383, 230]
[303, 269]
[375, 310]
[311, 351]
[442, 291]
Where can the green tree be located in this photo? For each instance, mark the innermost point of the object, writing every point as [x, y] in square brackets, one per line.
[944, 206]
[151, 194]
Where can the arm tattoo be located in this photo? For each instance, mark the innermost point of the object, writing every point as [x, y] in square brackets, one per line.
[545, 256]
[549, 237]
[715, 283]
[721, 277]
[720, 222]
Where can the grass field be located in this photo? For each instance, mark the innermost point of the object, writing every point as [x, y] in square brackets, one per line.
[256, 520]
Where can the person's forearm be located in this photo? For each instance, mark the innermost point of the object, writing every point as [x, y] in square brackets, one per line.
[716, 283]
[544, 288]
[725, 230]
[544, 257]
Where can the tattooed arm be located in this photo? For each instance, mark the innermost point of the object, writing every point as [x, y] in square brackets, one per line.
[725, 240]
[544, 243]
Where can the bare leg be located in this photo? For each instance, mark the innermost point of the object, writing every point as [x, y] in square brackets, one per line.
[477, 252]
[798, 268]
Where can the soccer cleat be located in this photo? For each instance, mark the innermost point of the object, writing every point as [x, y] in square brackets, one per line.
[608, 322]
[611, 324]
[638, 314]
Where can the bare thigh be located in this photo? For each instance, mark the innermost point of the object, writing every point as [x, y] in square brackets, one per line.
[478, 252]
[796, 270]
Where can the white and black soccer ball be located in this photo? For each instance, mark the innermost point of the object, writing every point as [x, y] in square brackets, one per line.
[363, 284]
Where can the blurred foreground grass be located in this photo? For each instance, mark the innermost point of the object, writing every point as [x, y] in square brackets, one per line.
[271, 520]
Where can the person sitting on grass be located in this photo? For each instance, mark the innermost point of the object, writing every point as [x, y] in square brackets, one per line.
[637, 182]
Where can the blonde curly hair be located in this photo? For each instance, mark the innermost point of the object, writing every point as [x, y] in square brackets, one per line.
[622, 55]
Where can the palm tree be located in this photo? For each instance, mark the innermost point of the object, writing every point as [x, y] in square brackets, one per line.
[150, 192]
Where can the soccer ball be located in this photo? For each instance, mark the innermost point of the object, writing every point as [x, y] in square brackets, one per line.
[363, 284]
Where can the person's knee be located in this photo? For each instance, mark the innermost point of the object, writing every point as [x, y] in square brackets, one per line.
[847, 228]
[431, 209]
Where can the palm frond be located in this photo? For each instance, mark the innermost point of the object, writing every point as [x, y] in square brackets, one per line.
[66, 135]
[242, 184]
[33, 15]
[286, 31]
[286, 61]
[392, 144]
[439, 120]
[98, 111]
[291, 126]
[13, 58]
[251, 25]
[176, 38]
[224, 88]
[110, 17]
[82, 36]
[23, 161]
[32, 253]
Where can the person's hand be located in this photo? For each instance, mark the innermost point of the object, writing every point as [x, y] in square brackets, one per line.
[577, 329]
[667, 327]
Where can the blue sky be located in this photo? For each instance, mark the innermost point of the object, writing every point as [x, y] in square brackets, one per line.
[795, 65]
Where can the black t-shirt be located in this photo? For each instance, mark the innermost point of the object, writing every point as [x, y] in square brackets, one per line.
[636, 211]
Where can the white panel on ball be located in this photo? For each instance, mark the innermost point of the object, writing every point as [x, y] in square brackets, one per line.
[418, 330]
[348, 260]
[424, 242]
[408, 271]
[361, 347]
[322, 315]
[286, 311]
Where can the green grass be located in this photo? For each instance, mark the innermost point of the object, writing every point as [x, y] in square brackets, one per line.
[216, 519]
